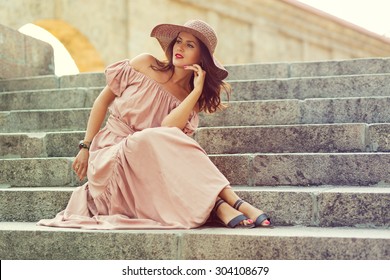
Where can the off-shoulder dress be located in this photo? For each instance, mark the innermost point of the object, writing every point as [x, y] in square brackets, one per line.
[141, 175]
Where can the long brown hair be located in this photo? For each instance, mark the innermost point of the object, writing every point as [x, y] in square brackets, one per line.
[210, 99]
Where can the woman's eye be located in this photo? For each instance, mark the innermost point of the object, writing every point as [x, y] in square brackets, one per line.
[190, 46]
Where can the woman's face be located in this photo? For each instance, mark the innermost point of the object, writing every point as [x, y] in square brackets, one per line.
[186, 50]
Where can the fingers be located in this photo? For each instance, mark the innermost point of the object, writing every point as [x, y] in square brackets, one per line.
[196, 68]
[80, 169]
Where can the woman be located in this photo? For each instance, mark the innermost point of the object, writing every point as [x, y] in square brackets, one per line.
[143, 169]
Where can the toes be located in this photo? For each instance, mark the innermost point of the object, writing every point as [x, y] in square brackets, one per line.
[265, 223]
[247, 222]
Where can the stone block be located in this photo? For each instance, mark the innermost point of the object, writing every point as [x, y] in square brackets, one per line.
[12, 59]
[23, 56]
[45, 120]
[25, 205]
[63, 144]
[308, 69]
[321, 169]
[342, 86]
[360, 207]
[91, 95]
[22, 145]
[39, 57]
[285, 205]
[31, 83]
[271, 112]
[289, 243]
[43, 99]
[35, 172]
[257, 71]
[379, 137]
[264, 89]
[340, 67]
[278, 139]
[83, 80]
[236, 168]
[346, 110]
[312, 87]
[43, 243]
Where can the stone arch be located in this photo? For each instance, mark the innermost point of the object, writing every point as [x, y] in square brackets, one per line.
[84, 54]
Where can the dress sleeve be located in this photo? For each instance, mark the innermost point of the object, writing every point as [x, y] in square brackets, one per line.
[119, 76]
[192, 124]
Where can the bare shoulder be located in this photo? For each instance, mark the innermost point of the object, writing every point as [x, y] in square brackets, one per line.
[142, 62]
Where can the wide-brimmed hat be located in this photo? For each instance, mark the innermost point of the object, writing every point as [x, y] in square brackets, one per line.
[166, 33]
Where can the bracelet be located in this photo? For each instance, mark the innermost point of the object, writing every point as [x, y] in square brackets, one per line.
[82, 145]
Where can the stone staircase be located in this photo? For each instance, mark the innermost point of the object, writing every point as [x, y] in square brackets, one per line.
[307, 142]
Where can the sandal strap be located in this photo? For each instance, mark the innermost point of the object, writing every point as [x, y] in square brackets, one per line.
[217, 204]
[238, 203]
[237, 220]
[261, 219]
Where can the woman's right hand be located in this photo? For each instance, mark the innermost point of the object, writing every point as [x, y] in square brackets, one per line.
[199, 76]
[80, 164]
[96, 118]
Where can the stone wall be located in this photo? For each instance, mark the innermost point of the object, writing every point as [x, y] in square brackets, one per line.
[21, 55]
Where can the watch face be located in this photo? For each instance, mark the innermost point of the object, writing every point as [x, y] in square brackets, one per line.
[82, 145]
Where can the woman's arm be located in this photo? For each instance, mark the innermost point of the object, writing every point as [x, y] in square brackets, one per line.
[98, 113]
[178, 117]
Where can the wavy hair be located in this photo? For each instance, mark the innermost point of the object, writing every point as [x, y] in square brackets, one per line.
[210, 99]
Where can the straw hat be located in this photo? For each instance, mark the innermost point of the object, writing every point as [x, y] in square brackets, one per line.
[166, 33]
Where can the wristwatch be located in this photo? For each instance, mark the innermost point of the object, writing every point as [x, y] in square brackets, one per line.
[82, 145]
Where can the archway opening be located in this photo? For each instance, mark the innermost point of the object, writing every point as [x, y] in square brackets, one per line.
[63, 61]
[83, 53]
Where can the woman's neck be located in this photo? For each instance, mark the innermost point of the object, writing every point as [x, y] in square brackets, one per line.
[181, 78]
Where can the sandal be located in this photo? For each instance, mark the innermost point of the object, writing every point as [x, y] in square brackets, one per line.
[261, 218]
[233, 223]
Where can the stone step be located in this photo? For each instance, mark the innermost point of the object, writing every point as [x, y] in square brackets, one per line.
[27, 241]
[245, 113]
[236, 72]
[37, 172]
[39, 145]
[299, 169]
[53, 82]
[308, 111]
[224, 140]
[48, 99]
[286, 139]
[29, 83]
[313, 87]
[44, 120]
[308, 69]
[323, 206]
[270, 89]
[359, 169]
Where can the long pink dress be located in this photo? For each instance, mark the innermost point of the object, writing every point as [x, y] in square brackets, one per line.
[142, 175]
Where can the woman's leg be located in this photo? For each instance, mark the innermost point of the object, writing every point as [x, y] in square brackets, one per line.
[251, 212]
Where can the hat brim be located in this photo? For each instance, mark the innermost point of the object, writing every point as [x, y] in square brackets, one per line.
[165, 33]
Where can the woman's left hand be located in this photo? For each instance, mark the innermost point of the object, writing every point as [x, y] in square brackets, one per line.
[199, 75]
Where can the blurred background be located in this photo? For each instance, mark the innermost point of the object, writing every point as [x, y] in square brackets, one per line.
[87, 35]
